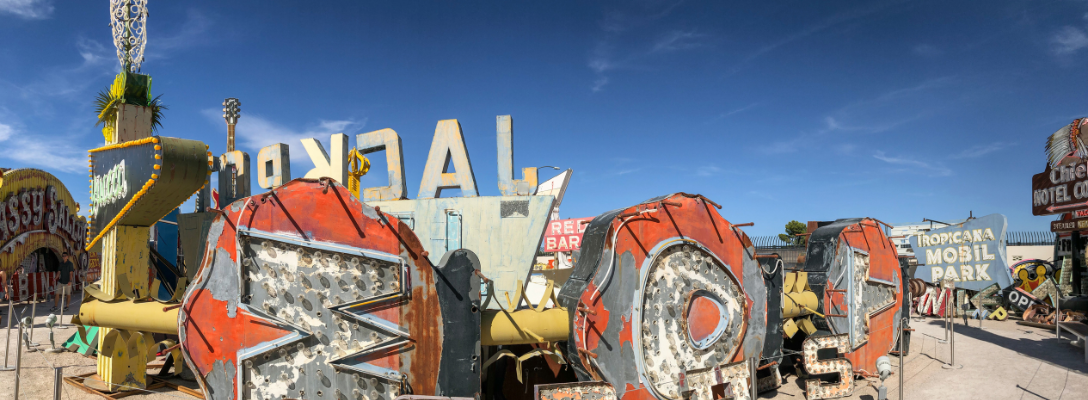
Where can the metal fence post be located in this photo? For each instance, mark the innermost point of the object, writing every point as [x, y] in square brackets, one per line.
[58, 377]
[18, 361]
[952, 347]
[33, 314]
[753, 367]
[7, 338]
[63, 302]
[902, 337]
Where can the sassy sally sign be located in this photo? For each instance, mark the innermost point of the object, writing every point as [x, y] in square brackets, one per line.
[971, 253]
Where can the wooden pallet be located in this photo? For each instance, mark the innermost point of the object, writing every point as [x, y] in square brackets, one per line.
[80, 382]
[95, 386]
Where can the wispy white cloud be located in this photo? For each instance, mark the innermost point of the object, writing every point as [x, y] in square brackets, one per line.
[901, 93]
[618, 25]
[27, 9]
[66, 82]
[931, 169]
[677, 40]
[194, 31]
[254, 132]
[819, 26]
[927, 50]
[5, 132]
[35, 150]
[733, 112]
[877, 114]
[980, 150]
[844, 148]
[1068, 40]
[708, 170]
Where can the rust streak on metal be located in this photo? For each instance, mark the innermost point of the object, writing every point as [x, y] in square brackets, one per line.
[587, 353]
[477, 272]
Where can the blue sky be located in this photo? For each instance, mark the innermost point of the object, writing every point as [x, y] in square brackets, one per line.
[793, 110]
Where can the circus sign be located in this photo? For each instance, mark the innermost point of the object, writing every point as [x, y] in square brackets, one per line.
[37, 211]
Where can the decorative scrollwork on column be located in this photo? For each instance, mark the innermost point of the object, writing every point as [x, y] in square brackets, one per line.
[128, 18]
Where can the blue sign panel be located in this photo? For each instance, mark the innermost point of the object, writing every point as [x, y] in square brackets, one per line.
[971, 253]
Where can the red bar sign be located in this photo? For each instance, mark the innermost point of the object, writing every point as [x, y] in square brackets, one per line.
[565, 234]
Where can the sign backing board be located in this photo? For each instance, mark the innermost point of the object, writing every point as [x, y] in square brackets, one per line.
[1061, 189]
[971, 253]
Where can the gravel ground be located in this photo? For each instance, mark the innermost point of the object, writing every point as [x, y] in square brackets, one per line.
[1002, 360]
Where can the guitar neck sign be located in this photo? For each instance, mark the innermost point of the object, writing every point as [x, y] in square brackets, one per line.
[136, 183]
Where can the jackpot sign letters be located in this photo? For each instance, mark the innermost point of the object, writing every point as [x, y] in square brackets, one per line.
[971, 253]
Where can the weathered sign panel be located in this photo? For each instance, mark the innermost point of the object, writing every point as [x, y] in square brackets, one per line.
[971, 253]
[1078, 224]
[136, 183]
[1060, 189]
[565, 234]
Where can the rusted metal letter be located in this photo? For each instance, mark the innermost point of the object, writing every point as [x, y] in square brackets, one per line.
[388, 140]
[448, 146]
[813, 389]
[274, 166]
[333, 165]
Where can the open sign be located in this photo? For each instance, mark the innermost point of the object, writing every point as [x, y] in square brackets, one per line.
[565, 234]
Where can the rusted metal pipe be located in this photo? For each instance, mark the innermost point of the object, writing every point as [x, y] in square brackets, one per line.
[582, 309]
[745, 224]
[165, 309]
[758, 256]
[169, 349]
[481, 275]
[587, 353]
[672, 203]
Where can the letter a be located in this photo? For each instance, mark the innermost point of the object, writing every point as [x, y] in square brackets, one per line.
[448, 145]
